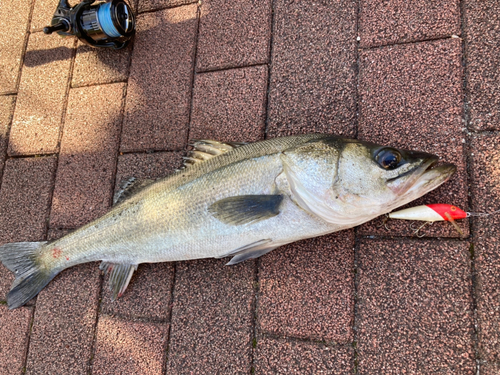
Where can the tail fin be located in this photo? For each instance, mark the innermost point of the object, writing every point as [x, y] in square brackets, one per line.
[22, 259]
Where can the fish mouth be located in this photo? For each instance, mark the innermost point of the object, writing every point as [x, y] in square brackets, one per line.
[423, 177]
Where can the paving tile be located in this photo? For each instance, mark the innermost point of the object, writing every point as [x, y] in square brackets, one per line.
[95, 66]
[485, 189]
[24, 204]
[411, 98]
[383, 22]
[149, 5]
[146, 166]
[14, 331]
[87, 161]
[43, 11]
[159, 86]
[414, 310]
[306, 289]
[313, 69]
[489, 369]
[212, 318]
[7, 104]
[14, 18]
[41, 98]
[240, 116]
[129, 347]
[278, 356]
[64, 323]
[148, 295]
[233, 33]
[482, 31]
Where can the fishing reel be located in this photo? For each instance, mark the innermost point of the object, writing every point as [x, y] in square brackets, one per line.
[106, 24]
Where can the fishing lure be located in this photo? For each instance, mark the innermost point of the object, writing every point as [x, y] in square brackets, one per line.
[431, 213]
[436, 212]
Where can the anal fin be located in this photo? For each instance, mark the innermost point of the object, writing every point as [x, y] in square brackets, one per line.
[120, 275]
[250, 251]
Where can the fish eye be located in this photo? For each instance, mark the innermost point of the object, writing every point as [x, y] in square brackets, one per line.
[388, 158]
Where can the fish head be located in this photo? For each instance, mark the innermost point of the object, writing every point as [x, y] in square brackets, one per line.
[348, 182]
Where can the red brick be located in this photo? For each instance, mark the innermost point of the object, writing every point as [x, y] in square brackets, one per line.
[6, 111]
[383, 22]
[212, 318]
[95, 66]
[240, 116]
[306, 289]
[149, 5]
[489, 369]
[159, 89]
[277, 356]
[24, 204]
[414, 310]
[129, 347]
[313, 69]
[233, 33]
[42, 96]
[14, 336]
[411, 98]
[14, 18]
[482, 30]
[87, 162]
[64, 323]
[485, 183]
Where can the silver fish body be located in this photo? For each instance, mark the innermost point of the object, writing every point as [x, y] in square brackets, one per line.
[231, 200]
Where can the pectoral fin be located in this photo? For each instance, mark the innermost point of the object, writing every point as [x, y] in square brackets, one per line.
[250, 251]
[245, 209]
[120, 275]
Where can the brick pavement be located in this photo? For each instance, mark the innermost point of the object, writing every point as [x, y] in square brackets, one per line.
[76, 122]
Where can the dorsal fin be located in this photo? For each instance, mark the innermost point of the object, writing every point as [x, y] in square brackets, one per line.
[129, 188]
[204, 149]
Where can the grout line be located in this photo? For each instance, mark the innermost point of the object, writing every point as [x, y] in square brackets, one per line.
[269, 66]
[309, 341]
[90, 362]
[7, 136]
[193, 74]
[169, 319]
[467, 151]
[61, 128]
[30, 330]
[357, 242]
[253, 311]
[164, 8]
[77, 86]
[230, 67]
[356, 72]
[443, 38]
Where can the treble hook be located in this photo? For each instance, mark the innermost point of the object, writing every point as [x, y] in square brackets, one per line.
[415, 231]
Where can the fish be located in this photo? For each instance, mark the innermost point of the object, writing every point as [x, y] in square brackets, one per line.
[238, 200]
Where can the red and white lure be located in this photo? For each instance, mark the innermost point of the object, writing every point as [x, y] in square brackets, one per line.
[435, 212]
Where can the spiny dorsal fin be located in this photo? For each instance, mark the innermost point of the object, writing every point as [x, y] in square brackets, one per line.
[129, 188]
[204, 149]
[120, 275]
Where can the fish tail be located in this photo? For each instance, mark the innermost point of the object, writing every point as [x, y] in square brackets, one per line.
[23, 259]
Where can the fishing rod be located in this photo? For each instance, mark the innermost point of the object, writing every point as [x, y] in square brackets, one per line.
[109, 24]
